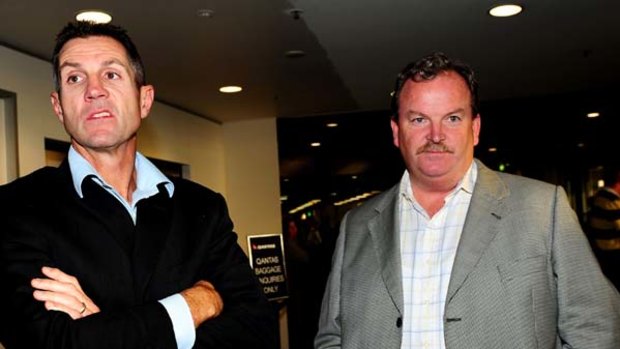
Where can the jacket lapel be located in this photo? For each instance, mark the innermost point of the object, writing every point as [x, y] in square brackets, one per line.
[152, 230]
[99, 205]
[95, 231]
[485, 212]
[384, 232]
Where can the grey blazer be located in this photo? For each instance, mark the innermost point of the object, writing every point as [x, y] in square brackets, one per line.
[523, 277]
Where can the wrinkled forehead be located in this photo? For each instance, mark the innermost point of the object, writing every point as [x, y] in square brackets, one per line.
[445, 83]
[93, 47]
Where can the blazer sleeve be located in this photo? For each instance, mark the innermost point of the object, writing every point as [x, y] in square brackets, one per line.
[589, 306]
[329, 334]
[248, 320]
[26, 322]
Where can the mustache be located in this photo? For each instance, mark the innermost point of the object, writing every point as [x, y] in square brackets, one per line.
[434, 147]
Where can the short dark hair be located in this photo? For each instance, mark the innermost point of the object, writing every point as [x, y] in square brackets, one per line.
[427, 68]
[85, 29]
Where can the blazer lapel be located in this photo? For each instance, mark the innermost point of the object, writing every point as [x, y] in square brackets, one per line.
[100, 205]
[384, 232]
[95, 231]
[152, 230]
[485, 212]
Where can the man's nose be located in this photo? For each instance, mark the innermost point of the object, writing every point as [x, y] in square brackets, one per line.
[95, 89]
[436, 134]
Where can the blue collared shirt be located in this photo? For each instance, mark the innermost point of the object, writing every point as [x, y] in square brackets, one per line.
[148, 177]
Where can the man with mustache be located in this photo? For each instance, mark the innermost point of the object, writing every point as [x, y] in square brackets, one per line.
[106, 251]
[457, 255]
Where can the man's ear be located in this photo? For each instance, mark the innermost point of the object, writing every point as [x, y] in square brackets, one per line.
[147, 96]
[476, 123]
[56, 105]
[394, 125]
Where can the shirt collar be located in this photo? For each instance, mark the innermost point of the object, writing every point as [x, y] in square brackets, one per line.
[148, 176]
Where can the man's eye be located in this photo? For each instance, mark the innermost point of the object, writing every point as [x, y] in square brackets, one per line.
[74, 79]
[418, 120]
[454, 118]
[112, 75]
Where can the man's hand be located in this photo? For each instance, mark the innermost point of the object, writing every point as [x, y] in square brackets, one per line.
[62, 292]
[204, 302]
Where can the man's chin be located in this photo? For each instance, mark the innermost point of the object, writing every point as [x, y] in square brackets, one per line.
[434, 158]
[436, 165]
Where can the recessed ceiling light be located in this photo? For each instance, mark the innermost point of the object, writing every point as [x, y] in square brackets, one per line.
[96, 16]
[230, 89]
[332, 124]
[593, 115]
[204, 13]
[492, 150]
[315, 144]
[505, 10]
[295, 13]
[294, 53]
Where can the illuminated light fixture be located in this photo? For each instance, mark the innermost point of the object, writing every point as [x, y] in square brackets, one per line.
[294, 53]
[600, 183]
[580, 145]
[502, 167]
[356, 198]
[492, 150]
[354, 177]
[95, 16]
[593, 115]
[230, 89]
[304, 206]
[283, 198]
[505, 10]
[295, 13]
[204, 13]
[315, 144]
[332, 124]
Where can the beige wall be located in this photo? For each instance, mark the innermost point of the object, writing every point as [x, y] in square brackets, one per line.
[253, 185]
[30, 79]
[173, 135]
[8, 126]
[3, 141]
[239, 160]
[251, 177]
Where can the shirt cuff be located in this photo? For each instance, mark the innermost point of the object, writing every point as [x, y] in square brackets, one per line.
[182, 322]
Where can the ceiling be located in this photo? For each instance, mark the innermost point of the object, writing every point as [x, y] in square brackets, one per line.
[354, 48]
[353, 51]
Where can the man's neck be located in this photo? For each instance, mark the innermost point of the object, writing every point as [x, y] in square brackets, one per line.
[431, 192]
[116, 167]
[431, 196]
